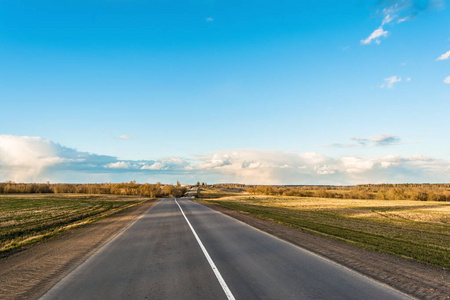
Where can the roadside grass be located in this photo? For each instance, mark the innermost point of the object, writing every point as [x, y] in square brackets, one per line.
[26, 219]
[410, 229]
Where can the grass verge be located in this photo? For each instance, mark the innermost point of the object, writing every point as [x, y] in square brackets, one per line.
[410, 229]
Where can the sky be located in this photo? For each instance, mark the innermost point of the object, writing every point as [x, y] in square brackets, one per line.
[255, 92]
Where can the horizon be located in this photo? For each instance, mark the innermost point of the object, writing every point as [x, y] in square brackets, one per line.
[228, 183]
[286, 93]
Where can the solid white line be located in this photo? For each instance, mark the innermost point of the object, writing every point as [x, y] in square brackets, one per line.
[211, 263]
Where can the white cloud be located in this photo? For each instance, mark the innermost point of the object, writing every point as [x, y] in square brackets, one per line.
[26, 157]
[374, 36]
[172, 163]
[119, 165]
[38, 159]
[325, 169]
[444, 56]
[447, 80]
[352, 164]
[124, 137]
[390, 81]
[312, 157]
[401, 11]
[387, 19]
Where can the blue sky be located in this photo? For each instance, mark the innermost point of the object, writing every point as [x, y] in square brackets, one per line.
[242, 91]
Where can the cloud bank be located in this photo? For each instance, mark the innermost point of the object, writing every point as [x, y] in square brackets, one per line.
[36, 159]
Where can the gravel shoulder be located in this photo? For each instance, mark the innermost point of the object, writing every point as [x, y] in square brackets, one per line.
[28, 274]
[411, 277]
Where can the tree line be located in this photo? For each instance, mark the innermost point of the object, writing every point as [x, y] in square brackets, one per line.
[124, 188]
[421, 192]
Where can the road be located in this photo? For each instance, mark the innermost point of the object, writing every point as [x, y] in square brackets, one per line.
[183, 250]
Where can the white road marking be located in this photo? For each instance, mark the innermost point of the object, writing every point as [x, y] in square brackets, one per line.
[211, 263]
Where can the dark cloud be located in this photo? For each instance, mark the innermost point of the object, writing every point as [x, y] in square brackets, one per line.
[381, 140]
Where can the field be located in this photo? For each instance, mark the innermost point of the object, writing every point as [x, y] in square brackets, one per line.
[417, 230]
[25, 219]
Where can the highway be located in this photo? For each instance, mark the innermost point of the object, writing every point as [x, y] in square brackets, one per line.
[183, 250]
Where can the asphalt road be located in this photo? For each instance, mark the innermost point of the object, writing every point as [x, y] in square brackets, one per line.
[160, 257]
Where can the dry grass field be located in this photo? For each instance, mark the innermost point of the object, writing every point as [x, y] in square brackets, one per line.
[418, 230]
[28, 218]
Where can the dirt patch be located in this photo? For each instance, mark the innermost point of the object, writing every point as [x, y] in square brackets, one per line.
[414, 278]
[30, 273]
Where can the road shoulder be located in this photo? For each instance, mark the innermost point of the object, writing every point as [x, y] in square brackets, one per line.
[30, 273]
[411, 277]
